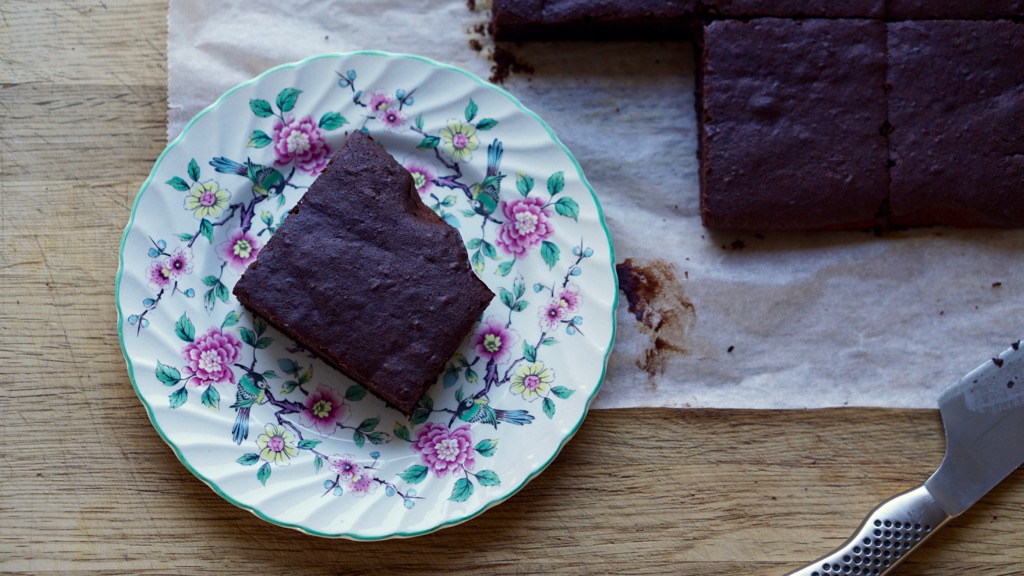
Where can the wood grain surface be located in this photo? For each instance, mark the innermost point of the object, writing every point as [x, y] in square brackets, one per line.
[87, 485]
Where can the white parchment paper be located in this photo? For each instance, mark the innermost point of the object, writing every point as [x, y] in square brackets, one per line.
[725, 320]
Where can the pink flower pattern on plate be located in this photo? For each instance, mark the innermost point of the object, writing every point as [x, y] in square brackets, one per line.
[380, 102]
[324, 409]
[345, 467]
[362, 484]
[179, 263]
[301, 141]
[569, 298]
[422, 177]
[241, 249]
[392, 118]
[558, 308]
[443, 450]
[210, 356]
[551, 314]
[494, 341]
[357, 480]
[159, 274]
[527, 224]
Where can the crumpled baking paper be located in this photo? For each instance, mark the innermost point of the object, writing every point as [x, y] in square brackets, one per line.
[709, 319]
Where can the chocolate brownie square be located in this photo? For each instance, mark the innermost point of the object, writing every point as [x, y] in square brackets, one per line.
[792, 118]
[956, 106]
[795, 8]
[592, 19]
[367, 277]
[954, 9]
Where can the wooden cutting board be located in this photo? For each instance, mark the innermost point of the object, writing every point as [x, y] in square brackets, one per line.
[87, 485]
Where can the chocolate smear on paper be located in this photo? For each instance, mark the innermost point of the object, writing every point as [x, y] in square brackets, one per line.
[662, 311]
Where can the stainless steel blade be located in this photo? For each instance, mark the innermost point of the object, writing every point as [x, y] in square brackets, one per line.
[983, 415]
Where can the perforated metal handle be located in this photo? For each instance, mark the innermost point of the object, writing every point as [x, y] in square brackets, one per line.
[889, 534]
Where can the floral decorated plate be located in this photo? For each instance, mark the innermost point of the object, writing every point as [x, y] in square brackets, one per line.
[276, 431]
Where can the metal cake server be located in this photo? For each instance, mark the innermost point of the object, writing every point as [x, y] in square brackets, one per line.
[983, 415]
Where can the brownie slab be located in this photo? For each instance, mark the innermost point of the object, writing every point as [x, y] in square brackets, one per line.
[592, 19]
[794, 8]
[367, 277]
[956, 106]
[652, 19]
[954, 9]
[792, 116]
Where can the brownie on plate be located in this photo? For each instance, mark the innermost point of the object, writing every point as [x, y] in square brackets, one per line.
[792, 120]
[956, 106]
[367, 277]
[592, 19]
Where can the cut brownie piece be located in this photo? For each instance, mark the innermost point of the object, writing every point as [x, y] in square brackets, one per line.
[792, 116]
[956, 106]
[954, 9]
[795, 8]
[367, 277]
[592, 19]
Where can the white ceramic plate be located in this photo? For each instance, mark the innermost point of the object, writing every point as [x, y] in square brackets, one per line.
[276, 431]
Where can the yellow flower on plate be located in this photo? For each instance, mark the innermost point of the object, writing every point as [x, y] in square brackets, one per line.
[532, 381]
[458, 140]
[207, 200]
[276, 444]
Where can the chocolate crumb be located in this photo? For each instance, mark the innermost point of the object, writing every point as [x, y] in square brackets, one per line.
[1009, 384]
[471, 4]
[476, 44]
[737, 244]
[1015, 345]
[505, 63]
[997, 284]
[998, 362]
[730, 349]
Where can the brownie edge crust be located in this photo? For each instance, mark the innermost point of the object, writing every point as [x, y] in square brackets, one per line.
[368, 278]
